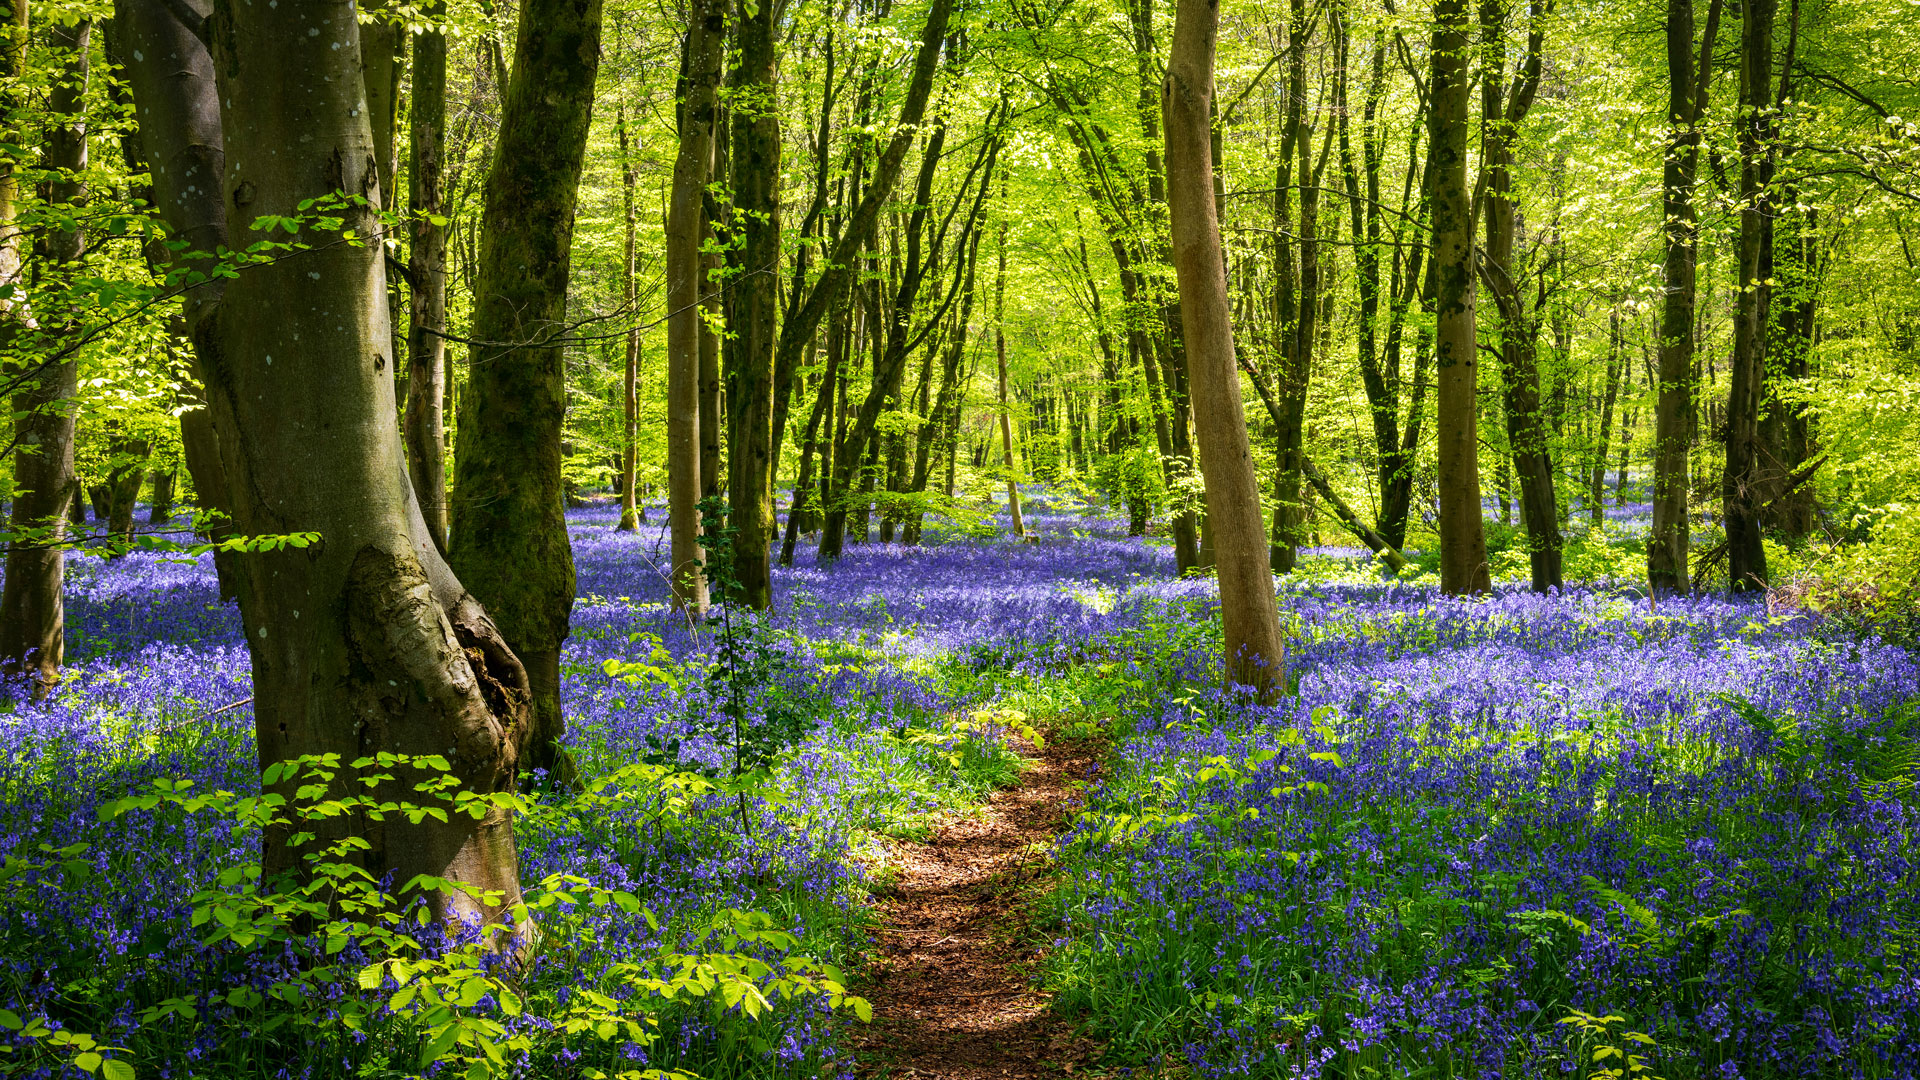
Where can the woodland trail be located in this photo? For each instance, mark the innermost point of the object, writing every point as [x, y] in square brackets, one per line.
[952, 986]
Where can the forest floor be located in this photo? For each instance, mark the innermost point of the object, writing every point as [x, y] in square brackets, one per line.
[953, 981]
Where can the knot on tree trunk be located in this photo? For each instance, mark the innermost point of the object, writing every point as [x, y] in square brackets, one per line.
[438, 674]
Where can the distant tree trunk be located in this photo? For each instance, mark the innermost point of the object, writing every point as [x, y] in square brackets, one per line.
[713, 477]
[161, 510]
[426, 422]
[804, 493]
[1668, 540]
[365, 641]
[1784, 431]
[1617, 363]
[1463, 543]
[630, 295]
[753, 309]
[1254, 650]
[1744, 482]
[1517, 329]
[700, 67]
[1006, 410]
[509, 513]
[123, 483]
[32, 612]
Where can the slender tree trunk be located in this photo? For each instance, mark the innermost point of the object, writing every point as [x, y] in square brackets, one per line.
[1254, 650]
[1743, 485]
[160, 512]
[1463, 544]
[1006, 409]
[32, 610]
[629, 295]
[1668, 540]
[1503, 108]
[700, 67]
[753, 309]
[426, 421]
[509, 514]
[1616, 367]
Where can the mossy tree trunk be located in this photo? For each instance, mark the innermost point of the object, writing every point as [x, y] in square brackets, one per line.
[509, 523]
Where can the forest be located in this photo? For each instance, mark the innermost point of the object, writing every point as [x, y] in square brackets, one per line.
[725, 539]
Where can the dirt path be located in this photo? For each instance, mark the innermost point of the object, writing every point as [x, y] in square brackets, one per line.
[953, 985]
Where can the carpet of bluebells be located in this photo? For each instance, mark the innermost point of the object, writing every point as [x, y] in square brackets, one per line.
[1519, 837]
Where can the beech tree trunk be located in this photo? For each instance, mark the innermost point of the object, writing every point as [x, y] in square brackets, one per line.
[1516, 327]
[1254, 650]
[364, 641]
[753, 309]
[1006, 409]
[509, 514]
[1668, 540]
[32, 609]
[1743, 484]
[160, 512]
[700, 73]
[629, 297]
[1463, 542]
[426, 422]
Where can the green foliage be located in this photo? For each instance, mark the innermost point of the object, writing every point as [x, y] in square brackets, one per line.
[377, 972]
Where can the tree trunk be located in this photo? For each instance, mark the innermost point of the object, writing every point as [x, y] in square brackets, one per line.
[426, 422]
[1254, 650]
[1503, 108]
[630, 294]
[1616, 368]
[32, 610]
[161, 510]
[1006, 409]
[1743, 484]
[177, 106]
[509, 515]
[700, 73]
[124, 482]
[1668, 540]
[753, 310]
[363, 641]
[1463, 543]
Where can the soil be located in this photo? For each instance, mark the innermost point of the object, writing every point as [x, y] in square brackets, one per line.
[954, 980]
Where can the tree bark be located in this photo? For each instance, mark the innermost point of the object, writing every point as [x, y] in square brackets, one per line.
[629, 300]
[426, 422]
[32, 609]
[509, 515]
[160, 512]
[1668, 540]
[753, 310]
[364, 641]
[1463, 543]
[1254, 650]
[1743, 482]
[1503, 108]
[1000, 360]
[177, 107]
[700, 73]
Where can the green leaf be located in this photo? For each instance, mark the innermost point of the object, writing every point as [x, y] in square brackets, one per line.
[116, 1069]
